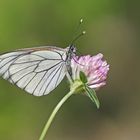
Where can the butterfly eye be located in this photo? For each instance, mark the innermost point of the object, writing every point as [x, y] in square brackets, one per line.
[72, 49]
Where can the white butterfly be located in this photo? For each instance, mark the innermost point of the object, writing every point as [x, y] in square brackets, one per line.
[37, 70]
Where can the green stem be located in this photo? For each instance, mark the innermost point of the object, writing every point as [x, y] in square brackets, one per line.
[45, 129]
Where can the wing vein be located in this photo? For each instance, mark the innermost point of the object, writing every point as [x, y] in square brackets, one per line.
[51, 79]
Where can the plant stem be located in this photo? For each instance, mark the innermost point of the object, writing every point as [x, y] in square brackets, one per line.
[46, 127]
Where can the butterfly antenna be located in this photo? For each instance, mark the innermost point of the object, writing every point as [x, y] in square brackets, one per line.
[77, 29]
[77, 37]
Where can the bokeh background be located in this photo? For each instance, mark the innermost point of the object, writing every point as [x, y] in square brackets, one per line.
[113, 28]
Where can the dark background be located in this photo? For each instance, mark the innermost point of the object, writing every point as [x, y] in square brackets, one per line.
[113, 29]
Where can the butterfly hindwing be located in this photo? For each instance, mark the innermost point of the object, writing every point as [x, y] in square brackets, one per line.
[37, 70]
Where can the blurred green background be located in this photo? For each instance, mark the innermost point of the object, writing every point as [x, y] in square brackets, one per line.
[113, 29]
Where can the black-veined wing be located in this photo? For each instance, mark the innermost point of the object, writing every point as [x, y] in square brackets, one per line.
[36, 70]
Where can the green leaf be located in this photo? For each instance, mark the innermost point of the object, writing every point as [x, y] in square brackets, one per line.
[92, 95]
[83, 77]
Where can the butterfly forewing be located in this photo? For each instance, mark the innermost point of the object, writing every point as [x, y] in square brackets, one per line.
[36, 70]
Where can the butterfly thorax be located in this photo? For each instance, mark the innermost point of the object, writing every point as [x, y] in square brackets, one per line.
[70, 54]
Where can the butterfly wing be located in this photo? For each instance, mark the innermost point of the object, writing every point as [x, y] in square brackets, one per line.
[37, 70]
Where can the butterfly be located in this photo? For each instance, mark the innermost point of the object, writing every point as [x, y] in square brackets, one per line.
[37, 70]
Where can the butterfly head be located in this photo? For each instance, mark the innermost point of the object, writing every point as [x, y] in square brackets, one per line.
[71, 52]
[72, 49]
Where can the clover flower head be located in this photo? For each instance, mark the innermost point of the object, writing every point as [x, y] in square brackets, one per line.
[94, 68]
